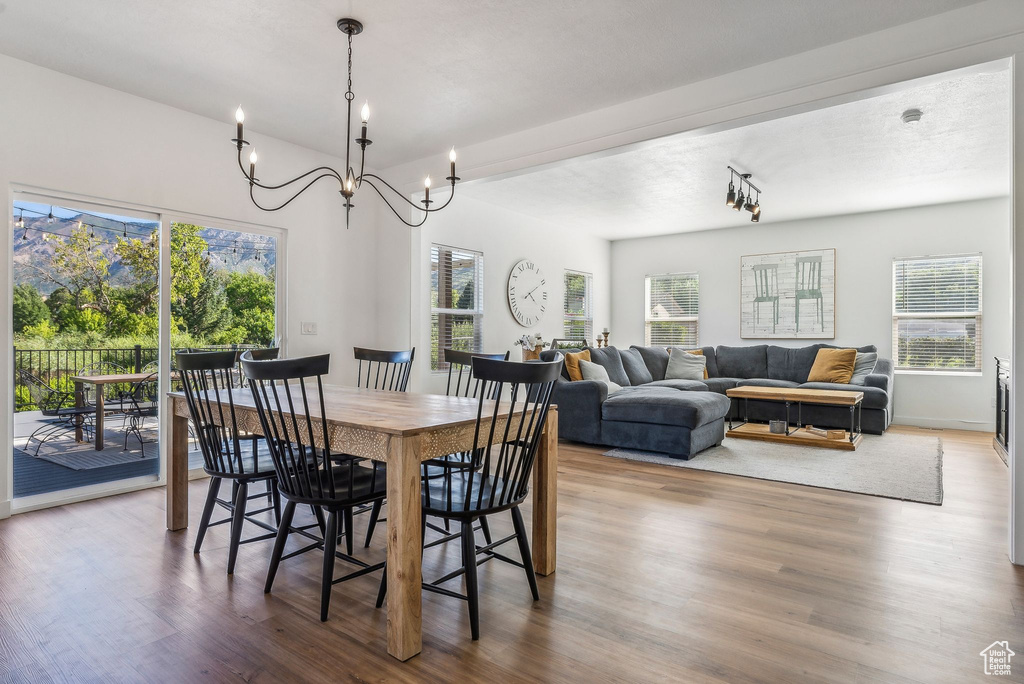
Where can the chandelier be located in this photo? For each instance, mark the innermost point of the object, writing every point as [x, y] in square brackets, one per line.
[738, 201]
[349, 181]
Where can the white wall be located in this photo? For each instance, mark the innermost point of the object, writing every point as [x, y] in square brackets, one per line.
[70, 136]
[504, 237]
[865, 247]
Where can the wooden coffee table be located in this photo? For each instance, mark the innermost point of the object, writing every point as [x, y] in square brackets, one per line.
[797, 434]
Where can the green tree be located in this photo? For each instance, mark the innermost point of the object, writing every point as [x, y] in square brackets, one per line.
[251, 297]
[29, 307]
[80, 268]
[142, 257]
[206, 313]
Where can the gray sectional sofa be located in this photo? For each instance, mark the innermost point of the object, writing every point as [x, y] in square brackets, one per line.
[683, 417]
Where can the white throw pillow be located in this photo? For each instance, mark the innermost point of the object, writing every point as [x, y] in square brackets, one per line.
[863, 366]
[683, 366]
[595, 371]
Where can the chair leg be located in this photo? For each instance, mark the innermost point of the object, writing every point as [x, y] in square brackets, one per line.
[348, 531]
[485, 528]
[211, 503]
[472, 589]
[320, 521]
[524, 551]
[330, 544]
[383, 590]
[275, 495]
[374, 515]
[283, 530]
[237, 523]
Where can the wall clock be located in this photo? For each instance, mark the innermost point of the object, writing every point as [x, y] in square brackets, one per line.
[527, 293]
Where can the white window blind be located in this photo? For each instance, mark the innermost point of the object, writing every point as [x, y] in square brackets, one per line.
[936, 313]
[456, 302]
[671, 313]
[578, 321]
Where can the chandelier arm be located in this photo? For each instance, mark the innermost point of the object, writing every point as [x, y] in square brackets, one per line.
[406, 199]
[331, 172]
[289, 201]
[393, 210]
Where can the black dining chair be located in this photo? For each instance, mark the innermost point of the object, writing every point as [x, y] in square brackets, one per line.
[505, 450]
[206, 379]
[289, 397]
[381, 370]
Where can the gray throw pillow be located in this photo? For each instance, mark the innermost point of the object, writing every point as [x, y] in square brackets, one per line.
[636, 369]
[594, 371]
[683, 366]
[863, 366]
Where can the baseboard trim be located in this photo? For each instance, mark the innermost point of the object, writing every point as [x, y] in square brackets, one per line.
[5, 509]
[945, 423]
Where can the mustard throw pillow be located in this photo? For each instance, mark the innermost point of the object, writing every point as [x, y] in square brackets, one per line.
[572, 364]
[833, 365]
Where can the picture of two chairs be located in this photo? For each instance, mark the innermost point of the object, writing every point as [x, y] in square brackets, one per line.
[788, 295]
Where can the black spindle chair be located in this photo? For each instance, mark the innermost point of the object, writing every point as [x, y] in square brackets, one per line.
[506, 450]
[289, 396]
[380, 370]
[206, 379]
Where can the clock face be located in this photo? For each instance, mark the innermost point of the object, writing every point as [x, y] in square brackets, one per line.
[527, 293]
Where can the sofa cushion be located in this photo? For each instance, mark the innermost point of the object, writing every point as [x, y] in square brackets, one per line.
[833, 365]
[612, 362]
[665, 406]
[686, 385]
[719, 385]
[787, 363]
[863, 367]
[682, 350]
[682, 365]
[863, 350]
[552, 354]
[636, 369]
[766, 382]
[572, 363]
[743, 362]
[874, 397]
[712, 364]
[656, 359]
[592, 371]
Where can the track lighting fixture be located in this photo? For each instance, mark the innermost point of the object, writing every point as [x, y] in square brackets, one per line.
[737, 200]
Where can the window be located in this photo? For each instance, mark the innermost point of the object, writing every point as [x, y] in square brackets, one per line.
[936, 313]
[671, 312]
[578, 322]
[456, 302]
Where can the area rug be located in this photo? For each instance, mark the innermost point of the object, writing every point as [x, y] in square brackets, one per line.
[65, 451]
[894, 466]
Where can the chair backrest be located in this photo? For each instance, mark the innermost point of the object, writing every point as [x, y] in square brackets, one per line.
[808, 273]
[384, 370]
[46, 399]
[766, 280]
[103, 368]
[265, 354]
[206, 378]
[289, 397]
[460, 368]
[507, 447]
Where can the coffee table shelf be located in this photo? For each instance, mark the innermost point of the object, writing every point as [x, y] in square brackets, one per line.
[760, 432]
[797, 434]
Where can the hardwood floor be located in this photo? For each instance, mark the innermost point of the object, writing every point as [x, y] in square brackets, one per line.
[664, 574]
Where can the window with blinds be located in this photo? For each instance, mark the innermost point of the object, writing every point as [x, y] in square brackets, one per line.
[456, 302]
[936, 313]
[578, 318]
[671, 313]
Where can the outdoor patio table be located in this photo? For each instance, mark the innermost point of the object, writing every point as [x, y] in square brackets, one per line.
[402, 429]
[100, 381]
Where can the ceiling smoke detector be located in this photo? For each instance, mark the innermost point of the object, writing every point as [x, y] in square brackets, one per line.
[911, 116]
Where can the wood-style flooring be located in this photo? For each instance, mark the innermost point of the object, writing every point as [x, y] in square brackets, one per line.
[664, 574]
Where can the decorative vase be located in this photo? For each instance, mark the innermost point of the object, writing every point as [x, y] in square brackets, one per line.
[532, 354]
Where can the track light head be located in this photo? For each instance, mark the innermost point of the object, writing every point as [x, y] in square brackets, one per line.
[739, 200]
[730, 198]
[755, 216]
[749, 206]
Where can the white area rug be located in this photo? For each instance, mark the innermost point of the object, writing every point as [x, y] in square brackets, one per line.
[895, 466]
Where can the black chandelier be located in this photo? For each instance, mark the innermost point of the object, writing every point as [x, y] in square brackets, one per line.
[350, 182]
[739, 201]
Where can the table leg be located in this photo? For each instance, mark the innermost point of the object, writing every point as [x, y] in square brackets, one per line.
[177, 473]
[99, 417]
[545, 497]
[853, 424]
[404, 548]
[79, 403]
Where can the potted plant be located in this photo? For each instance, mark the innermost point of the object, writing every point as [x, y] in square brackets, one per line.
[532, 346]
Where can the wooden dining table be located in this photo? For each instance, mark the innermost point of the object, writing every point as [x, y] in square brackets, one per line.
[100, 382]
[401, 429]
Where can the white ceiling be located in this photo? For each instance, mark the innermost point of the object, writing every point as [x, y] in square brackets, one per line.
[435, 73]
[853, 157]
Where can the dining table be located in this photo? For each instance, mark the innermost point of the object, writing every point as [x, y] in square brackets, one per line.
[100, 382]
[402, 429]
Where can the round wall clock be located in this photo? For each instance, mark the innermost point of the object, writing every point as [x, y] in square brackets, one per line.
[527, 293]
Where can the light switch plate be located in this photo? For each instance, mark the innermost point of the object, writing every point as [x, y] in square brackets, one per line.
[308, 328]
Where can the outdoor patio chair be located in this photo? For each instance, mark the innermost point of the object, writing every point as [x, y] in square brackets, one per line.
[102, 368]
[140, 402]
[56, 405]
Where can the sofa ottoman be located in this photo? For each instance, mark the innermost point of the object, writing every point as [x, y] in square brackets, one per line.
[664, 419]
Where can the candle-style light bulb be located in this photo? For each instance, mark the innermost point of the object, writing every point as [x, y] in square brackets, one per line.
[239, 115]
[451, 158]
[364, 113]
[252, 157]
[239, 118]
[252, 165]
[426, 183]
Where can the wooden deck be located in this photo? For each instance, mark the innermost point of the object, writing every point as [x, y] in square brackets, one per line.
[665, 574]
